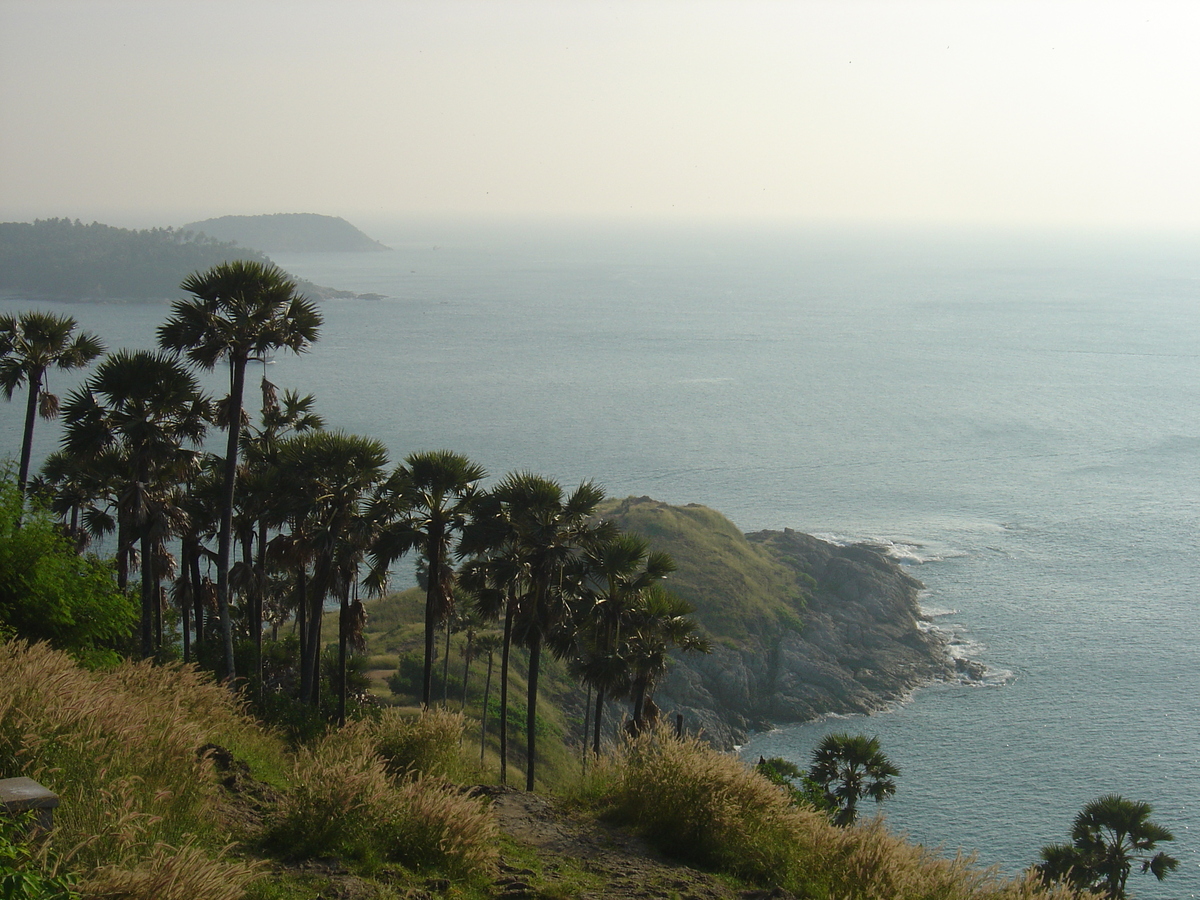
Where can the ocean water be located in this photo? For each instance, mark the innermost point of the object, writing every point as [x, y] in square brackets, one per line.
[1016, 416]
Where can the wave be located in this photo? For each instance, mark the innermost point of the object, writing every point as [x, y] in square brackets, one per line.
[902, 550]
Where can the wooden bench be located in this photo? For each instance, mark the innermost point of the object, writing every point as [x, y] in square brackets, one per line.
[22, 794]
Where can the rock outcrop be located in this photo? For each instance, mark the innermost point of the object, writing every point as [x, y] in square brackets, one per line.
[862, 645]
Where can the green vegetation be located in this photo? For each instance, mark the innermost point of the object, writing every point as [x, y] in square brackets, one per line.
[1110, 836]
[849, 767]
[49, 592]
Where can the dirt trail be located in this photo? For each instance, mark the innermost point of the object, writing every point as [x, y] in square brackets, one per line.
[618, 864]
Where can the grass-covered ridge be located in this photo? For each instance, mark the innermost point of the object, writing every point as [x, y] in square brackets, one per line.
[739, 590]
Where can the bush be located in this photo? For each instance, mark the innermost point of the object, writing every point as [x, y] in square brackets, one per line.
[48, 592]
[425, 744]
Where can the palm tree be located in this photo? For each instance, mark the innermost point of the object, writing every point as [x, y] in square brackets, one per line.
[240, 311]
[494, 573]
[623, 567]
[549, 531]
[1110, 835]
[428, 501]
[659, 622]
[849, 767]
[258, 485]
[331, 478]
[30, 344]
[137, 410]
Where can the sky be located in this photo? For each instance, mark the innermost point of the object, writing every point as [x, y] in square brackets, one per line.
[159, 112]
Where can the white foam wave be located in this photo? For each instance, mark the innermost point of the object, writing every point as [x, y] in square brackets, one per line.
[903, 550]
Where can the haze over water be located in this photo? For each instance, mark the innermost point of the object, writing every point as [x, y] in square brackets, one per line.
[1015, 416]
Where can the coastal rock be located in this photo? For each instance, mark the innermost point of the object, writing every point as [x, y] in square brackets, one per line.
[861, 646]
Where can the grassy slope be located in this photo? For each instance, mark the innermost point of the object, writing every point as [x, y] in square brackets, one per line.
[741, 591]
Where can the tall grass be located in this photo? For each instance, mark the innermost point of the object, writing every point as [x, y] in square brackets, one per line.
[425, 744]
[343, 801]
[711, 809]
[120, 749]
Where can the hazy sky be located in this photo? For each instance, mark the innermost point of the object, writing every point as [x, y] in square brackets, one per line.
[148, 112]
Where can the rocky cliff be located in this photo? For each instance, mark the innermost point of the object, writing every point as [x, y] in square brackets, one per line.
[846, 637]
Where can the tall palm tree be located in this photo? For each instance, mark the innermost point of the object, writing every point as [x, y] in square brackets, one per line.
[140, 408]
[849, 767]
[494, 574]
[30, 345]
[240, 311]
[258, 484]
[1110, 835]
[331, 478]
[550, 530]
[623, 567]
[429, 500]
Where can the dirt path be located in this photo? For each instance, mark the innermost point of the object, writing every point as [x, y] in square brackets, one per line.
[616, 863]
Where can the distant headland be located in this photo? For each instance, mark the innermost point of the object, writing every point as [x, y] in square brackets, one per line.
[288, 233]
[61, 259]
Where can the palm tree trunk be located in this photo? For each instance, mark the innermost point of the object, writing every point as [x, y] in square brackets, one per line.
[535, 658]
[185, 598]
[197, 596]
[237, 375]
[639, 704]
[147, 596]
[487, 695]
[504, 655]
[599, 718]
[35, 388]
[302, 623]
[446, 668]
[433, 602]
[343, 621]
[260, 572]
[466, 671]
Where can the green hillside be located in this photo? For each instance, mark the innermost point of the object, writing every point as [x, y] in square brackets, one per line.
[740, 590]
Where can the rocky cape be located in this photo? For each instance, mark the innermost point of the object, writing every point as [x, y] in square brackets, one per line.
[848, 636]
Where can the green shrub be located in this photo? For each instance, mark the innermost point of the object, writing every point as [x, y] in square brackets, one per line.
[27, 868]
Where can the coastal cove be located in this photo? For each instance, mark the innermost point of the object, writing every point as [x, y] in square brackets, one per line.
[1011, 419]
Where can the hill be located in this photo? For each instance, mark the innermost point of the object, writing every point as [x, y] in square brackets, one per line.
[288, 233]
[58, 259]
[800, 627]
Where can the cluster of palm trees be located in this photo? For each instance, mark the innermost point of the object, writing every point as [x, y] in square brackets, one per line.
[301, 515]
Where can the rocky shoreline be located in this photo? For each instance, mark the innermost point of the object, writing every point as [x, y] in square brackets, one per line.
[864, 645]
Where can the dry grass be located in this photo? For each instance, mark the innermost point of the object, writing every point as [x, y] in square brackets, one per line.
[710, 808]
[344, 802]
[120, 750]
[427, 743]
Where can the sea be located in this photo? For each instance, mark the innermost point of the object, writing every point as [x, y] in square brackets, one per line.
[1013, 416]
